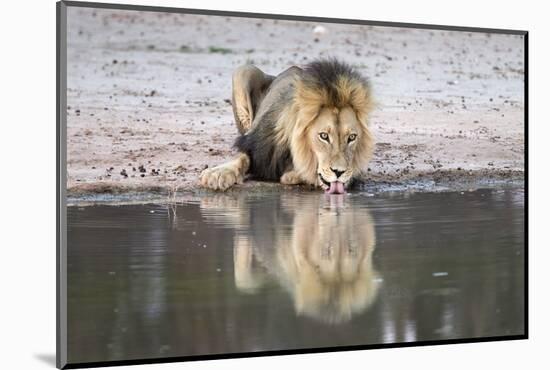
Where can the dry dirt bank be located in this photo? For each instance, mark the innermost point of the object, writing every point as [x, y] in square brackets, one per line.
[148, 97]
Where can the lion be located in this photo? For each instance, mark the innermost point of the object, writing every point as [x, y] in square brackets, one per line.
[305, 126]
[316, 247]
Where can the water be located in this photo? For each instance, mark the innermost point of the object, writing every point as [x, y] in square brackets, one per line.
[241, 273]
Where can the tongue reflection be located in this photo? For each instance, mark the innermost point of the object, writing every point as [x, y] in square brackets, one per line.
[336, 187]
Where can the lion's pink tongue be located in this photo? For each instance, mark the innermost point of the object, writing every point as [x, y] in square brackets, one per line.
[336, 187]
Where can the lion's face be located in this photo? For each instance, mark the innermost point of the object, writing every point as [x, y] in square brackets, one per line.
[334, 136]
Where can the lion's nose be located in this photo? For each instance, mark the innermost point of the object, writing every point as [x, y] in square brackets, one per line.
[337, 172]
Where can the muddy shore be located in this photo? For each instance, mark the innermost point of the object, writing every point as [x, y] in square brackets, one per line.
[149, 99]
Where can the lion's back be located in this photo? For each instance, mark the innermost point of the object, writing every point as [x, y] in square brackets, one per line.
[268, 158]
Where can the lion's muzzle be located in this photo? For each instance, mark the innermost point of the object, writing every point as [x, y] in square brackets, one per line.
[332, 187]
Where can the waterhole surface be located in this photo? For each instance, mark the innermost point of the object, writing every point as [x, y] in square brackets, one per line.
[242, 273]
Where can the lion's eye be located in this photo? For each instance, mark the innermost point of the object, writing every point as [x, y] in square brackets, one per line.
[323, 136]
[352, 137]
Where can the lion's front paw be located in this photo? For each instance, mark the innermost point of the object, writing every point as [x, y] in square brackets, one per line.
[220, 177]
[291, 178]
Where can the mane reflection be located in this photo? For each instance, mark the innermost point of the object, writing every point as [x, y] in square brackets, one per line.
[317, 247]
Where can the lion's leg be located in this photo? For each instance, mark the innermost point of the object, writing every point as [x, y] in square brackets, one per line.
[226, 175]
[291, 178]
[249, 86]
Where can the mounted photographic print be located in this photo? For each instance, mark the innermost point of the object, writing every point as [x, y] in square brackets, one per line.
[236, 184]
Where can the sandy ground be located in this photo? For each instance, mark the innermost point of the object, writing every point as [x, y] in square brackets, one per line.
[148, 96]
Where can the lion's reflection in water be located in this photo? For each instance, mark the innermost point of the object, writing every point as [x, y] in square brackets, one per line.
[316, 246]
